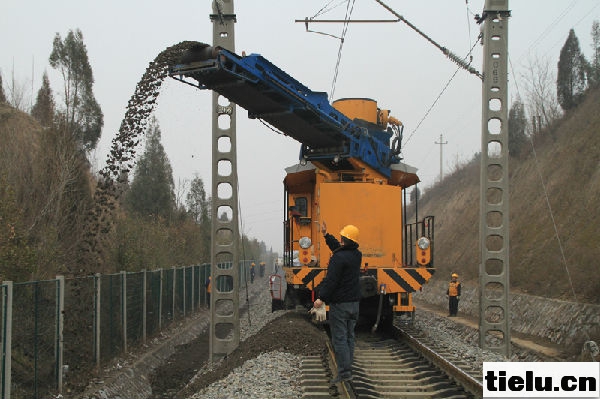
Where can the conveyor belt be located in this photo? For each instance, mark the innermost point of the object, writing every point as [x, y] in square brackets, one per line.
[270, 94]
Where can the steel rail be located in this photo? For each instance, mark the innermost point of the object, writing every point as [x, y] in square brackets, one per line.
[469, 383]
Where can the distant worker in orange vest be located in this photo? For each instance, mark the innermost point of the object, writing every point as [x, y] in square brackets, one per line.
[453, 294]
[208, 285]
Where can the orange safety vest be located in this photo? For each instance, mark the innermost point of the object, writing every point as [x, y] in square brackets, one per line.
[453, 288]
[208, 286]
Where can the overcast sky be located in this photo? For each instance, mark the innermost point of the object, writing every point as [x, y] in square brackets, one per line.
[387, 62]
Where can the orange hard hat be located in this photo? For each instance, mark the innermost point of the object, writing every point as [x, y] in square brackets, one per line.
[350, 232]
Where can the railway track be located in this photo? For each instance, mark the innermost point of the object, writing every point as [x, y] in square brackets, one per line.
[398, 364]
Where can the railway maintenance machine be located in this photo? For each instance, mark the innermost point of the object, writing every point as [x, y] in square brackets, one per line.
[349, 172]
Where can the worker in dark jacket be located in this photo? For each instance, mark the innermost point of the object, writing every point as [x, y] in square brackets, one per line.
[453, 293]
[341, 290]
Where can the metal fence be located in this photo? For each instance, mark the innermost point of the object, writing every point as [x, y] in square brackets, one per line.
[60, 332]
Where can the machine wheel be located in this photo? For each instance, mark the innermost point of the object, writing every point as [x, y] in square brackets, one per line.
[290, 299]
[277, 304]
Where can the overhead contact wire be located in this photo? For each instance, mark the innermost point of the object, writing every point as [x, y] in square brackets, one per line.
[453, 57]
[349, 10]
[469, 14]
[324, 10]
[437, 99]
[553, 25]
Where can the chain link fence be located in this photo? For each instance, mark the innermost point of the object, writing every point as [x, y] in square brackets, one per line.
[60, 332]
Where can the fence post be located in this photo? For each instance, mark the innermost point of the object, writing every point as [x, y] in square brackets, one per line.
[97, 312]
[160, 299]
[183, 291]
[193, 282]
[144, 279]
[202, 294]
[174, 287]
[124, 308]
[205, 275]
[201, 287]
[60, 318]
[7, 304]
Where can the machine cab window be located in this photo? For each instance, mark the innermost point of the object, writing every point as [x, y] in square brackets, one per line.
[300, 210]
[301, 206]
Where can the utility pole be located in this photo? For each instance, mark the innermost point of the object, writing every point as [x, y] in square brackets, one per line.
[537, 123]
[441, 143]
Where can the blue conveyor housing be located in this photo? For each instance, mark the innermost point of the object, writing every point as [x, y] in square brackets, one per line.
[270, 94]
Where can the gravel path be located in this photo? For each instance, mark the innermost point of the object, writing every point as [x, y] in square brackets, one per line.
[270, 375]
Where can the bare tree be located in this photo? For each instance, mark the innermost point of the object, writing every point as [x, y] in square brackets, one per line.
[2, 95]
[17, 93]
[539, 85]
[594, 74]
[180, 191]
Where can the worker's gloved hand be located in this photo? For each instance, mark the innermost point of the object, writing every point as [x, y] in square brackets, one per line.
[458, 297]
[320, 314]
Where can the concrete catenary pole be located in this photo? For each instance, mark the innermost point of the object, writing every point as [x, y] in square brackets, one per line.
[494, 316]
[224, 298]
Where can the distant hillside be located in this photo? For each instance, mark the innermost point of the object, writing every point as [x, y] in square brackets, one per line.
[20, 147]
[20, 136]
[44, 197]
[49, 209]
[568, 161]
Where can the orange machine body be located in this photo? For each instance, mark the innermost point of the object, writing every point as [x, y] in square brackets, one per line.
[350, 192]
[369, 202]
[393, 266]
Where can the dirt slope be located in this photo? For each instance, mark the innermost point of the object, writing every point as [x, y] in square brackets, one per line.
[567, 160]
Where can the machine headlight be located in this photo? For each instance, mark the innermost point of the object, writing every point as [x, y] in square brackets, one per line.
[423, 243]
[305, 242]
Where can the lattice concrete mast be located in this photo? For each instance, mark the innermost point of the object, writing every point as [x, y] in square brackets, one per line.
[494, 316]
[224, 299]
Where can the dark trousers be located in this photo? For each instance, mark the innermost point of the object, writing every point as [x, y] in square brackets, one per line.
[342, 320]
[453, 305]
